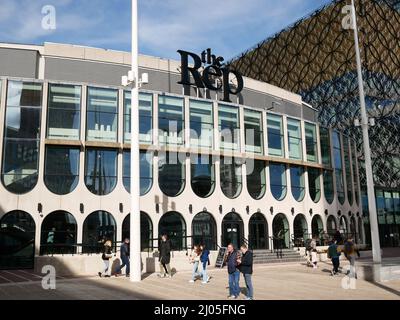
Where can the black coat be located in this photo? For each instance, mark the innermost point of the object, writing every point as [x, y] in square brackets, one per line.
[246, 267]
[165, 252]
[106, 251]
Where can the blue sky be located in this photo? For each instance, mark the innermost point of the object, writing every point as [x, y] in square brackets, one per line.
[227, 26]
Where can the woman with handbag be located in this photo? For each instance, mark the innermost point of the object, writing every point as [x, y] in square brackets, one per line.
[106, 256]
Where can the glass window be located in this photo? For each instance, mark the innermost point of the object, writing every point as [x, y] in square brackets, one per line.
[171, 173]
[253, 131]
[337, 157]
[256, 184]
[328, 185]
[277, 174]
[294, 139]
[63, 113]
[171, 120]
[230, 177]
[174, 226]
[21, 136]
[314, 184]
[102, 114]
[355, 171]
[146, 171]
[325, 140]
[202, 175]
[297, 182]
[275, 135]
[146, 230]
[201, 124]
[101, 170]
[349, 180]
[61, 174]
[204, 230]
[98, 227]
[311, 142]
[145, 117]
[58, 234]
[229, 127]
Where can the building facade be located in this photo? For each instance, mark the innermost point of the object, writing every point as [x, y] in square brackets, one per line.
[315, 57]
[259, 170]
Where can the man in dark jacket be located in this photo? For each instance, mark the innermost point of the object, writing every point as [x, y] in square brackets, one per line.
[246, 267]
[124, 253]
[233, 272]
[165, 257]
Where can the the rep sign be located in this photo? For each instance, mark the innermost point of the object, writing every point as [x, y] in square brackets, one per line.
[215, 75]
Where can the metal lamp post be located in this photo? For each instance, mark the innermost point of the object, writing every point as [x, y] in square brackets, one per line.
[133, 80]
[376, 250]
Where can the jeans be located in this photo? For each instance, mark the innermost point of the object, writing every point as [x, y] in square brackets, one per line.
[125, 262]
[249, 285]
[335, 264]
[234, 289]
[204, 272]
[352, 260]
[195, 271]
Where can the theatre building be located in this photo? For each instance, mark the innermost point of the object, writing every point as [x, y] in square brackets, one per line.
[259, 169]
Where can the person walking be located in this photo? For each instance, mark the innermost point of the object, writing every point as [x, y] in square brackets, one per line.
[246, 268]
[195, 259]
[233, 272]
[106, 256]
[334, 255]
[205, 260]
[124, 252]
[165, 257]
[350, 251]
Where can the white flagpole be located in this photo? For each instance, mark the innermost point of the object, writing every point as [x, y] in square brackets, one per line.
[376, 249]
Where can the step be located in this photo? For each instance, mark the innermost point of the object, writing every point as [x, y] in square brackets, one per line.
[287, 260]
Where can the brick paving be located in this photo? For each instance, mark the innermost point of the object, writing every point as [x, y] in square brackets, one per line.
[282, 282]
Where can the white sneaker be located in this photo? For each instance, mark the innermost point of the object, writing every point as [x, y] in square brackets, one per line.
[232, 297]
[204, 282]
[191, 281]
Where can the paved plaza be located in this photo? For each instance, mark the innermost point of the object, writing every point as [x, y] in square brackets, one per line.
[294, 281]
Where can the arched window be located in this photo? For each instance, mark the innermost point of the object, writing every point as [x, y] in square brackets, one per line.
[174, 226]
[21, 136]
[146, 230]
[314, 184]
[58, 233]
[353, 228]
[202, 175]
[171, 173]
[331, 226]
[297, 182]
[231, 177]
[17, 240]
[98, 227]
[232, 230]
[360, 230]
[277, 176]
[328, 185]
[281, 233]
[204, 230]
[256, 184]
[101, 170]
[317, 226]
[300, 230]
[146, 171]
[258, 232]
[343, 225]
[61, 169]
